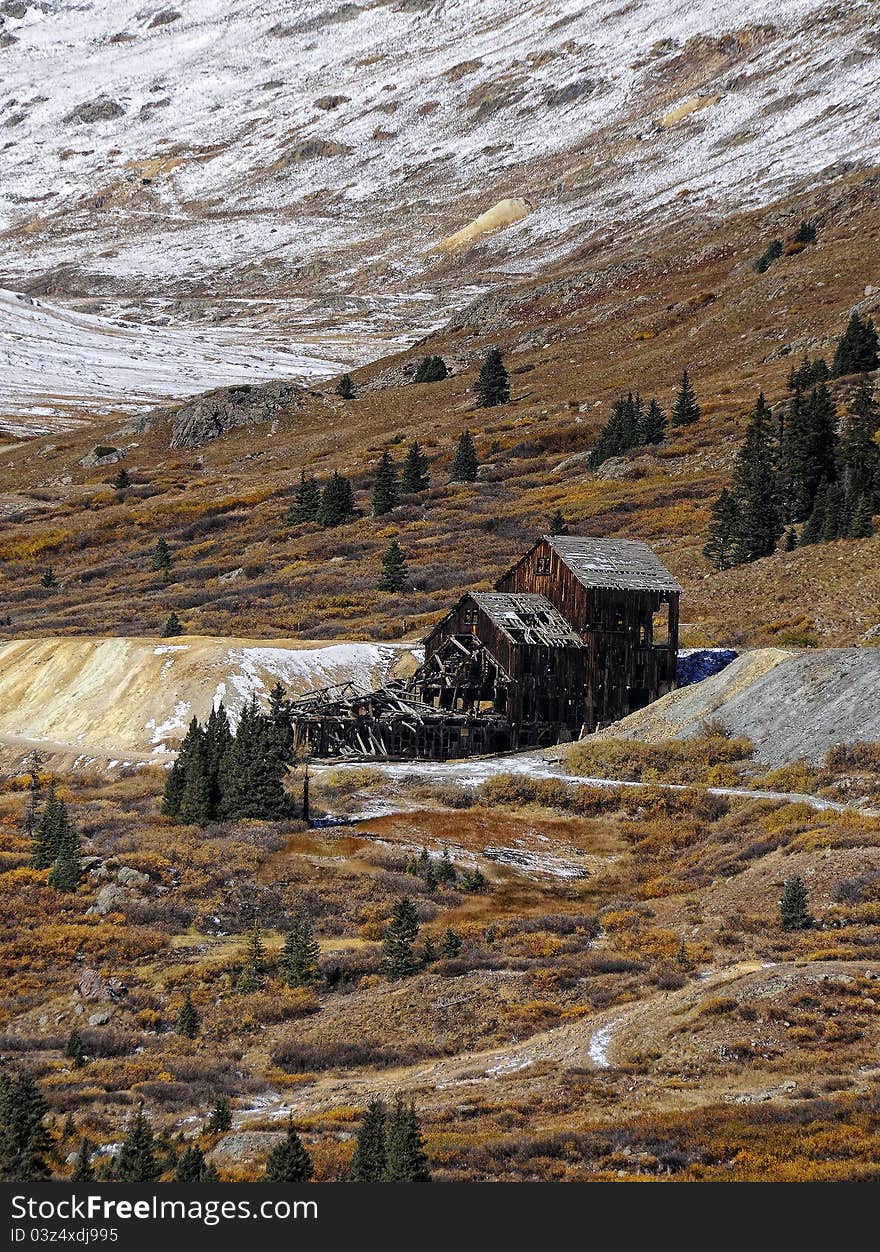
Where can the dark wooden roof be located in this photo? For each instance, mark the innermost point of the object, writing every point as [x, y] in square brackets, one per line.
[527, 618]
[621, 564]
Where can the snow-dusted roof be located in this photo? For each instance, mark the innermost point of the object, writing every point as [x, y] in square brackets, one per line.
[625, 564]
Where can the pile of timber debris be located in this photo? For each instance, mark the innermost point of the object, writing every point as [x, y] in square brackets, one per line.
[390, 722]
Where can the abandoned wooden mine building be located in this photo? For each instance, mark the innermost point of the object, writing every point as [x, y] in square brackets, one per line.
[578, 633]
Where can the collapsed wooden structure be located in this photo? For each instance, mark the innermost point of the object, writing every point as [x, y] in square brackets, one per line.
[578, 633]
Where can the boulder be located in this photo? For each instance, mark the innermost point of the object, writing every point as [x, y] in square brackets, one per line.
[102, 109]
[128, 877]
[110, 899]
[214, 413]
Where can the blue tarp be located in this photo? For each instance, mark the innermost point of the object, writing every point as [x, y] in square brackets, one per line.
[695, 664]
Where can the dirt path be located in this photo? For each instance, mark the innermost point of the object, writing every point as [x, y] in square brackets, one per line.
[471, 773]
[586, 1042]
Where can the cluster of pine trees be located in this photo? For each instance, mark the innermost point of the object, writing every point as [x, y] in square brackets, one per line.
[390, 1147]
[297, 964]
[24, 1141]
[54, 839]
[391, 482]
[221, 775]
[634, 424]
[804, 466]
[328, 507]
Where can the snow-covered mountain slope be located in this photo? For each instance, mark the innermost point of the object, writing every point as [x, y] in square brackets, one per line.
[284, 148]
[58, 364]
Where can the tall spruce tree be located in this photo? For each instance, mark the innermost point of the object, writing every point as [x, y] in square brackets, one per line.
[722, 530]
[196, 800]
[405, 1157]
[685, 410]
[808, 451]
[394, 574]
[754, 491]
[66, 868]
[74, 1049]
[337, 501]
[369, 1160]
[306, 502]
[299, 957]
[858, 454]
[24, 1141]
[386, 489]
[47, 833]
[398, 960]
[857, 349]
[175, 781]
[493, 383]
[136, 1159]
[465, 465]
[652, 428]
[415, 478]
[289, 1161]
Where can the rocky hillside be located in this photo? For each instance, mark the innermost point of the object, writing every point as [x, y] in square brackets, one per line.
[314, 170]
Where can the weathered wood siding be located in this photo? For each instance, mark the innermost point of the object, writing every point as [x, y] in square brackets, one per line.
[624, 669]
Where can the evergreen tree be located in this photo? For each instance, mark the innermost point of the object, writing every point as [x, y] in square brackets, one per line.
[790, 540]
[172, 627]
[465, 465]
[306, 503]
[415, 477]
[754, 493]
[288, 1161]
[192, 1166]
[394, 575]
[857, 348]
[808, 451]
[136, 1159]
[493, 384]
[24, 1141]
[47, 578]
[793, 905]
[622, 430]
[47, 830]
[218, 740]
[834, 519]
[369, 1160]
[805, 233]
[345, 387]
[67, 867]
[398, 960]
[429, 952]
[176, 779]
[220, 1118]
[450, 944]
[719, 547]
[253, 971]
[431, 369]
[253, 769]
[814, 526]
[188, 1021]
[337, 501]
[405, 1157]
[858, 454]
[74, 1050]
[122, 479]
[652, 428]
[861, 525]
[445, 870]
[808, 374]
[558, 524]
[386, 491]
[161, 561]
[82, 1166]
[685, 410]
[299, 957]
[769, 255]
[196, 799]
